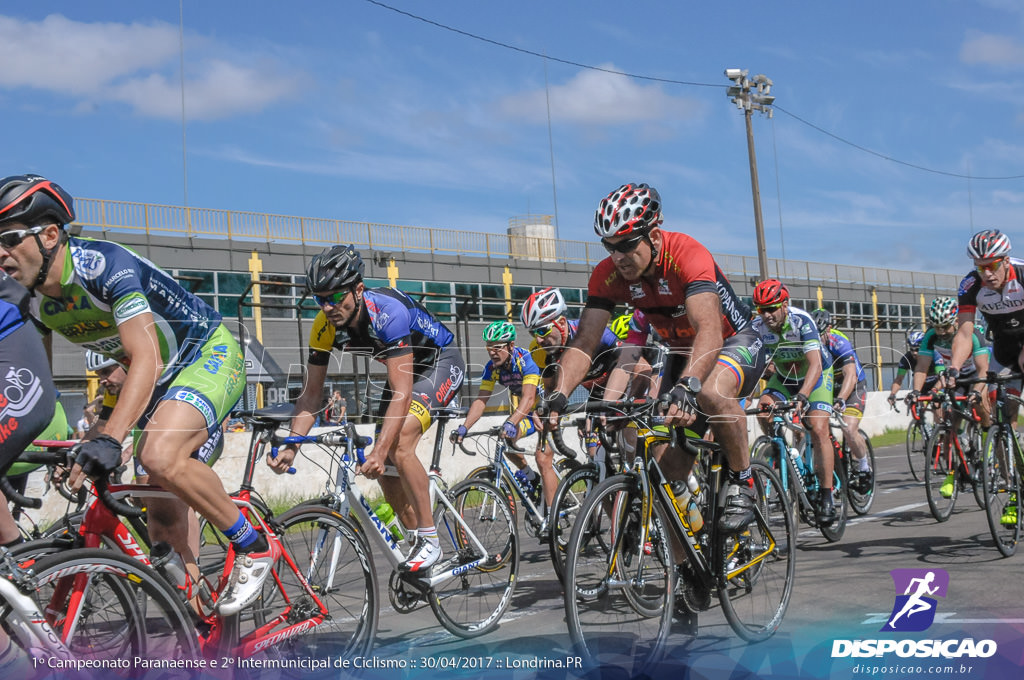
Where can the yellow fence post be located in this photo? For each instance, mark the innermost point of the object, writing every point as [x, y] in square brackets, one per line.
[392, 273]
[820, 298]
[506, 278]
[255, 269]
[924, 317]
[874, 325]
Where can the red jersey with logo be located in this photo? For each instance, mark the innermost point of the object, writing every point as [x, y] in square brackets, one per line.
[684, 268]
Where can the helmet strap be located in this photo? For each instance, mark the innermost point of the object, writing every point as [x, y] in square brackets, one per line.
[44, 268]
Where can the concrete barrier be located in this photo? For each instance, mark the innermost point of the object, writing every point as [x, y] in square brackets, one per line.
[313, 467]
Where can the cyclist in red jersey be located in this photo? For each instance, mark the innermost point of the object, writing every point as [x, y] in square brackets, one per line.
[714, 358]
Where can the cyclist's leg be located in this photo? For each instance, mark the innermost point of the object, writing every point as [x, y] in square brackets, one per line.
[851, 417]
[817, 421]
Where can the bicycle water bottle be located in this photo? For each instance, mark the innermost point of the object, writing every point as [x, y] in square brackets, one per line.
[386, 514]
[687, 496]
[170, 565]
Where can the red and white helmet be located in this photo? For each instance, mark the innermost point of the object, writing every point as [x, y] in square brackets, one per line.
[543, 307]
[630, 209]
[770, 292]
[989, 244]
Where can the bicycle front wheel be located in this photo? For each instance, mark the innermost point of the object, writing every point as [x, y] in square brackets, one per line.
[756, 567]
[568, 502]
[940, 473]
[619, 583]
[333, 564]
[916, 441]
[106, 606]
[1001, 487]
[481, 558]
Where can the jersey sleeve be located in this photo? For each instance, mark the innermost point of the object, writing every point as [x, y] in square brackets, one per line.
[391, 324]
[967, 293]
[123, 290]
[531, 371]
[699, 269]
[601, 289]
[809, 336]
[487, 378]
[321, 340]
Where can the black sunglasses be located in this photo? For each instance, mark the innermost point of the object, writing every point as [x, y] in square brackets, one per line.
[331, 298]
[627, 246]
[11, 239]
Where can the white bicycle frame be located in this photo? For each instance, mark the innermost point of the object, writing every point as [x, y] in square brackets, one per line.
[29, 626]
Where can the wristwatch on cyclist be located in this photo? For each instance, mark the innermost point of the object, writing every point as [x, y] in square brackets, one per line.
[690, 383]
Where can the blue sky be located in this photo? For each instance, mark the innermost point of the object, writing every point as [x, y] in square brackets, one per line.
[347, 109]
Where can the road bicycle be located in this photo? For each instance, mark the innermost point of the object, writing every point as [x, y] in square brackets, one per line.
[306, 608]
[1003, 463]
[620, 574]
[94, 605]
[795, 468]
[469, 590]
[953, 452]
[860, 498]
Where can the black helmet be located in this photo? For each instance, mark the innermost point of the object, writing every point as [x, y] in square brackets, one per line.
[336, 267]
[33, 200]
[822, 319]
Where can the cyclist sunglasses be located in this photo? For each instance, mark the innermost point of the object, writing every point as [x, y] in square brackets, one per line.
[989, 267]
[11, 239]
[769, 309]
[542, 331]
[627, 246]
[331, 299]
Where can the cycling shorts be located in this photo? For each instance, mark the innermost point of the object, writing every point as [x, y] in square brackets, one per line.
[434, 386]
[27, 394]
[784, 390]
[857, 401]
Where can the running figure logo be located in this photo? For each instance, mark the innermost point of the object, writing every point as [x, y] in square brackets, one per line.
[914, 609]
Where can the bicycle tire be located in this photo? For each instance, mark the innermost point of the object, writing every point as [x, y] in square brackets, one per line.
[334, 557]
[472, 602]
[940, 462]
[764, 450]
[1000, 483]
[756, 568]
[916, 441]
[834, 532]
[974, 455]
[569, 498]
[605, 625]
[861, 502]
[107, 606]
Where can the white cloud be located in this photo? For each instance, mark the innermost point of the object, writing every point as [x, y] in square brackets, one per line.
[136, 64]
[599, 98]
[995, 50]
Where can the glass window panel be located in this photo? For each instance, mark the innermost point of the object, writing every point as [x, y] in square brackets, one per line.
[493, 311]
[906, 311]
[230, 282]
[572, 295]
[829, 305]
[520, 293]
[228, 306]
[278, 313]
[204, 284]
[269, 290]
[376, 283]
[410, 286]
[841, 307]
[492, 292]
[438, 287]
[442, 310]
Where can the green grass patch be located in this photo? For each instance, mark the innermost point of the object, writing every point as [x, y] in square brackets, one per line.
[890, 437]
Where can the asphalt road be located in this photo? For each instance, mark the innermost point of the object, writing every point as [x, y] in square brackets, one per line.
[843, 591]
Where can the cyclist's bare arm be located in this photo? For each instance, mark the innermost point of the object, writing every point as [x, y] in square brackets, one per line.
[704, 311]
[305, 414]
[476, 409]
[924, 362]
[849, 380]
[400, 380]
[575, 361]
[963, 341]
[625, 366]
[526, 403]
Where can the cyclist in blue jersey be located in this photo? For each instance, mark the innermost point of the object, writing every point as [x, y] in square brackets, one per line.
[424, 370]
[185, 373]
[850, 395]
[513, 368]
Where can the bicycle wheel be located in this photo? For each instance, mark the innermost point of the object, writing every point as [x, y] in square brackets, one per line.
[333, 556]
[568, 501]
[756, 567]
[916, 441]
[486, 473]
[975, 454]
[619, 591]
[1001, 486]
[834, 531]
[940, 472]
[107, 606]
[862, 500]
[480, 582]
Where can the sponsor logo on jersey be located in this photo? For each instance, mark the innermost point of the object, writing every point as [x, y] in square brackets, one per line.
[75, 303]
[88, 263]
[130, 306]
[636, 290]
[663, 287]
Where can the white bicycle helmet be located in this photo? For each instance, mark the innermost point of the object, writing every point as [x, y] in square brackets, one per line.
[95, 361]
[543, 307]
[989, 244]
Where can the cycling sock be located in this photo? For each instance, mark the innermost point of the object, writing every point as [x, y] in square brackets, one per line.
[242, 534]
[18, 541]
[741, 477]
[430, 534]
[531, 474]
[862, 465]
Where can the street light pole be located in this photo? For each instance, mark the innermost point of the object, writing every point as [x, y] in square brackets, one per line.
[750, 100]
